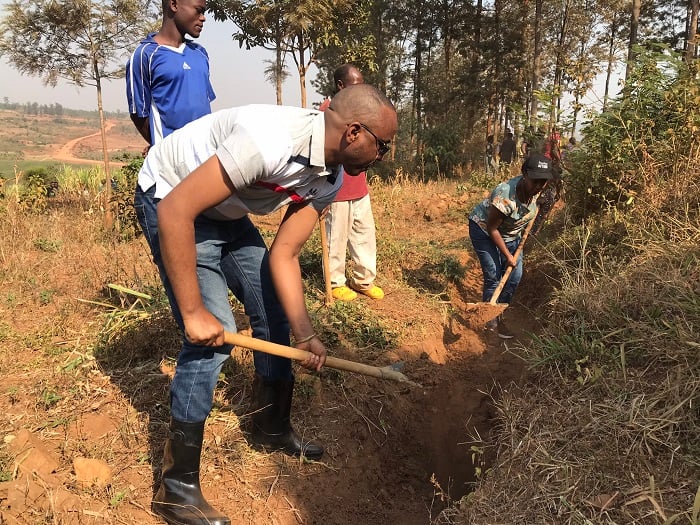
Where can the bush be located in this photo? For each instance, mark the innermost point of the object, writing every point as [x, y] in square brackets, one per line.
[644, 133]
[34, 186]
[123, 186]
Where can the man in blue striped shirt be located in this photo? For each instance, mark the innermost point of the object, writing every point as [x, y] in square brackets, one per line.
[167, 76]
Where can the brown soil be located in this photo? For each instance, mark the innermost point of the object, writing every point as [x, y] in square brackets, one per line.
[395, 453]
[65, 153]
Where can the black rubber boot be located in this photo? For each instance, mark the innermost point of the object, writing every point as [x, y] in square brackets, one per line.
[179, 500]
[272, 430]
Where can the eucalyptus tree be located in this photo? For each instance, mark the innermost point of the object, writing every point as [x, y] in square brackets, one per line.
[354, 36]
[536, 78]
[308, 20]
[260, 24]
[292, 28]
[442, 133]
[561, 52]
[692, 31]
[590, 54]
[664, 21]
[612, 35]
[672, 22]
[506, 67]
[514, 58]
[426, 36]
[579, 54]
[635, 12]
[81, 41]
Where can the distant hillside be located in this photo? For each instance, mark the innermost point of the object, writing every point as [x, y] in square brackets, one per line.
[34, 108]
[28, 139]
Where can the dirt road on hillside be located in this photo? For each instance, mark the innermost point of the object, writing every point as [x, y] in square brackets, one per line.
[65, 152]
[74, 150]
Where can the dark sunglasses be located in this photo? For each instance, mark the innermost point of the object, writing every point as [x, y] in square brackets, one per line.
[382, 146]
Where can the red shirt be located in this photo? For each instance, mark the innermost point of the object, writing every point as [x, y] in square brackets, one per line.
[354, 187]
[551, 148]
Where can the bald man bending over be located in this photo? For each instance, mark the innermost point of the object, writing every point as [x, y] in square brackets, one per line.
[194, 193]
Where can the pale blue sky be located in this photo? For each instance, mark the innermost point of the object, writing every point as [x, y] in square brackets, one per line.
[237, 76]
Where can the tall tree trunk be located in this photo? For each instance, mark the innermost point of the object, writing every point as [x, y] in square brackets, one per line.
[279, 64]
[691, 45]
[496, 96]
[418, 79]
[380, 38]
[474, 67]
[301, 67]
[577, 97]
[559, 67]
[611, 59]
[634, 27]
[525, 73]
[447, 35]
[536, 62]
[107, 192]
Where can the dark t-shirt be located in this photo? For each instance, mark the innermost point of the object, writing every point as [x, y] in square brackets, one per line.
[507, 150]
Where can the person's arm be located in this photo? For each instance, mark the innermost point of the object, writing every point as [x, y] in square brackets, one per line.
[142, 126]
[493, 222]
[138, 93]
[202, 189]
[295, 229]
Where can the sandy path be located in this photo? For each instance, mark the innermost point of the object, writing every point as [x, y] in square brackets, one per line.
[64, 153]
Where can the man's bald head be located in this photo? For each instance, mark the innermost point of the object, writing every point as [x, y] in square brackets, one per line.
[360, 123]
[347, 75]
[362, 102]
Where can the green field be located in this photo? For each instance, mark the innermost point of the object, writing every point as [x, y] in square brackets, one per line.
[8, 166]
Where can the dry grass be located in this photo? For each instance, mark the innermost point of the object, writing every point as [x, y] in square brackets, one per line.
[608, 430]
[613, 452]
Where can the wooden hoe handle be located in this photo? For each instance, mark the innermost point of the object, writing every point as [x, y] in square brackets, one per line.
[301, 355]
[325, 260]
[518, 251]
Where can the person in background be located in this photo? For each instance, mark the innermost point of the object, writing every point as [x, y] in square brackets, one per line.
[350, 222]
[194, 193]
[570, 146]
[167, 76]
[496, 226]
[552, 146]
[490, 153]
[508, 149]
[552, 193]
[526, 143]
[343, 76]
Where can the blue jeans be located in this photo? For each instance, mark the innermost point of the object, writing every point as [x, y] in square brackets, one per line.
[231, 255]
[494, 265]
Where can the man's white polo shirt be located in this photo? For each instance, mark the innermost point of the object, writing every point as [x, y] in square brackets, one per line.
[274, 155]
